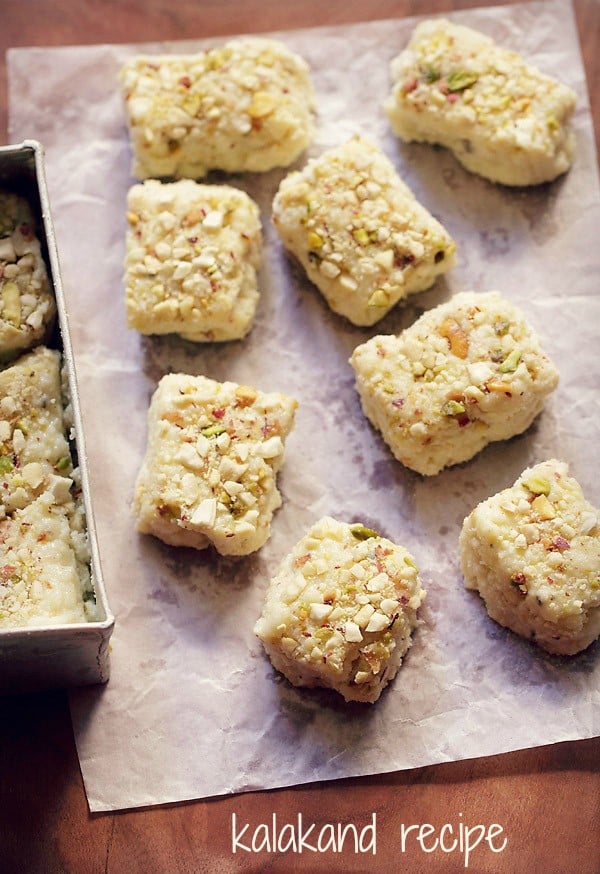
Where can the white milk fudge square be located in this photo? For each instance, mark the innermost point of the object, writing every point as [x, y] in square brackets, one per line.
[44, 555]
[341, 610]
[213, 453]
[44, 576]
[358, 231]
[501, 117]
[192, 257]
[34, 452]
[27, 305]
[466, 373]
[246, 106]
[533, 553]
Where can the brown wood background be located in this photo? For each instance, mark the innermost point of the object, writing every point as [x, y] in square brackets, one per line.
[547, 799]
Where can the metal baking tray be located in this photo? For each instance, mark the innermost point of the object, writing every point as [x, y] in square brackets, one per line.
[55, 656]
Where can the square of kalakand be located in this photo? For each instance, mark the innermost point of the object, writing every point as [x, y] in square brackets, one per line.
[341, 610]
[27, 305]
[501, 117]
[44, 572]
[466, 373]
[44, 553]
[245, 106]
[209, 473]
[193, 252]
[532, 551]
[34, 451]
[359, 232]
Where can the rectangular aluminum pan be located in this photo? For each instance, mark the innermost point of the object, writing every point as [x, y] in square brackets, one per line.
[56, 656]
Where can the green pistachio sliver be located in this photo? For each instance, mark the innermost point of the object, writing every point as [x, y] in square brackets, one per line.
[538, 485]
[361, 532]
[511, 362]
[453, 408]
[63, 463]
[430, 74]
[6, 463]
[213, 430]
[460, 80]
[501, 327]
[410, 562]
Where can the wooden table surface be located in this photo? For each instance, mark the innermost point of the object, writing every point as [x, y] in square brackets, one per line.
[547, 800]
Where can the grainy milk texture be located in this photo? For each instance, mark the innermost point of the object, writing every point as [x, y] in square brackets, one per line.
[190, 685]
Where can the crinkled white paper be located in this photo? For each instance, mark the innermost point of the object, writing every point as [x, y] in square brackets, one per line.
[193, 707]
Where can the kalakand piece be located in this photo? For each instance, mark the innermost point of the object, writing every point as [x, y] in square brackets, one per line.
[358, 231]
[341, 610]
[27, 305]
[34, 452]
[501, 117]
[468, 372]
[192, 255]
[246, 106]
[209, 472]
[44, 576]
[44, 555]
[533, 553]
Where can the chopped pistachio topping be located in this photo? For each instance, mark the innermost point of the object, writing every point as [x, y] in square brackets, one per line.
[213, 430]
[6, 463]
[460, 80]
[361, 532]
[511, 362]
[430, 74]
[453, 408]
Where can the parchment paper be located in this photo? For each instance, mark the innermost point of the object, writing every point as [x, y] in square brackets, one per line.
[193, 707]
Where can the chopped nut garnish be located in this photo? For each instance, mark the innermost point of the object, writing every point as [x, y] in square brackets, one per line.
[542, 507]
[261, 105]
[460, 80]
[361, 236]
[453, 408]
[11, 303]
[213, 431]
[379, 298]
[538, 485]
[246, 395]
[314, 240]
[361, 532]
[511, 362]
[456, 336]
[499, 387]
